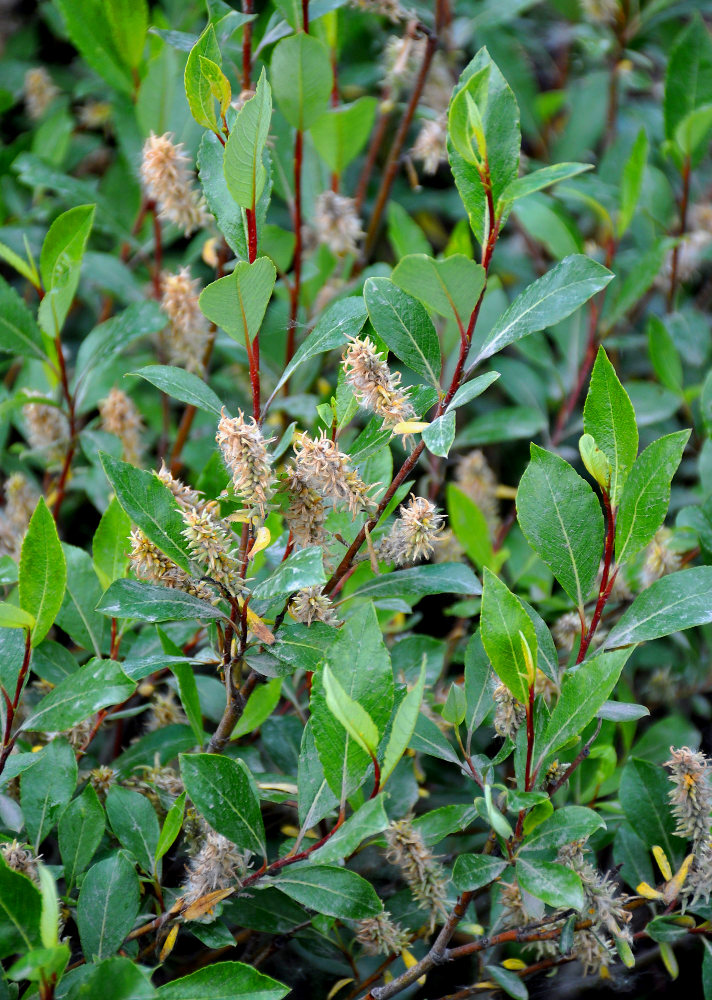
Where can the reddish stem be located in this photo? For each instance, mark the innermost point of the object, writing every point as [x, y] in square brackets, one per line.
[296, 285]
[8, 741]
[607, 579]
[530, 740]
[247, 8]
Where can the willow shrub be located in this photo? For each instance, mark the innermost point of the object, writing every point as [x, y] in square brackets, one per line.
[302, 689]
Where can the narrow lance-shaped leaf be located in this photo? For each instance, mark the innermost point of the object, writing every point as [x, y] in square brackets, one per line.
[352, 716]
[504, 624]
[609, 417]
[244, 172]
[197, 85]
[302, 78]
[546, 302]
[561, 519]
[43, 572]
[402, 322]
[671, 604]
[403, 726]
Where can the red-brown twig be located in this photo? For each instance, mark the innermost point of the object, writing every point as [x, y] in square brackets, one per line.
[8, 741]
[607, 578]
[247, 8]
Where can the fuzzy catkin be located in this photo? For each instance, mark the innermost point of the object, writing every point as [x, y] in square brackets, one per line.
[374, 385]
[168, 180]
[47, 427]
[430, 144]
[21, 498]
[322, 467]
[218, 864]
[337, 223]
[187, 339]
[306, 513]
[209, 540]
[312, 605]
[425, 877]
[413, 534]
[40, 91]
[381, 935]
[120, 416]
[691, 799]
[244, 451]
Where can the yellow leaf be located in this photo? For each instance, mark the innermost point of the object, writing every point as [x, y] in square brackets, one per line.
[648, 892]
[663, 863]
[169, 942]
[669, 960]
[337, 986]
[410, 427]
[206, 904]
[515, 964]
[262, 540]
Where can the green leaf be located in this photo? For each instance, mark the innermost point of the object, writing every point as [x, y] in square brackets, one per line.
[450, 287]
[496, 108]
[688, 80]
[644, 797]
[474, 871]
[360, 663]
[479, 684]
[89, 28]
[419, 581]
[504, 624]
[543, 178]
[609, 417]
[46, 787]
[182, 385]
[60, 263]
[223, 792]
[472, 389]
[506, 423]
[553, 883]
[20, 912]
[113, 979]
[302, 569]
[403, 726]
[352, 716]
[224, 981]
[217, 81]
[197, 87]
[470, 527]
[237, 302]
[563, 826]
[440, 434]
[508, 981]
[428, 739]
[646, 495]
[244, 170]
[337, 324]
[671, 604]
[129, 24]
[135, 825]
[148, 603]
[368, 820]
[550, 299]
[172, 825]
[78, 616]
[110, 544]
[693, 132]
[260, 705]
[14, 617]
[43, 572]
[340, 134]
[81, 828]
[302, 79]
[19, 333]
[337, 892]
[107, 906]
[404, 326]
[632, 182]
[96, 685]
[664, 355]
[151, 506]
[561, 519]
[583, 691]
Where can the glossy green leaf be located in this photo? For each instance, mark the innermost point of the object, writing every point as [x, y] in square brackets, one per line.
[403, 726]
[224, 981]
[46, 787]
[13, 617]
[368, 820]
[340, 134]
[609, 417]
[96, 685]
[664, 355]
[470, 390]
[43, 572]
[565, 825]
[197, 87]
[182, 385]
[450, 287]
[479, 683]
[302, 79]
[562, 520]
[111, 543]
[19, 332]
[107, 906]
[646, 495]
[543, 178]
[129, 22]
[171, 827]
[583, 691]
[632, 182]
[217, 81]
[503, 625]
[352, 716]
[671, 604]
[440, 434]
[237, 302]
[470, 527]
[260, 705]
[419, 581]
[553, 883]
[90, 31]
[135, 824]
[151, 506]
[404, 326]
[60, 263]
[81, 828]
[302, 569]
[473, 871]
[547, 301]
[336, 892]
[644, 797]
[688, 80]
[148, 603]
[20, 912]
[223, 792]
[243, 167]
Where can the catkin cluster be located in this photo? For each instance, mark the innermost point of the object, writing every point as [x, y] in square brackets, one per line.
[413, 534]
[245, 453]
[186, 340]
[167, 180]
[691, 799]
[373, 384]
[424, 876]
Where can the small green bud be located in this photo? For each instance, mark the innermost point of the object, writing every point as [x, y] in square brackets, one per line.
[597, 465]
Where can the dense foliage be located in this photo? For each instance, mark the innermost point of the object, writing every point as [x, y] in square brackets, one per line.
[357, 524]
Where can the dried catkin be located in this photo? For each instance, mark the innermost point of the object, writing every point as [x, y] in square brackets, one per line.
[337, 223]
[168, 180]
[119, 416]
[244, 451]
[186, 341]
[413, 534]
[374, 385]
[322, 467]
